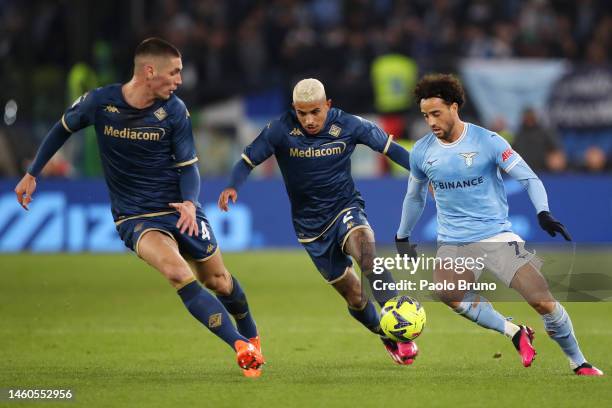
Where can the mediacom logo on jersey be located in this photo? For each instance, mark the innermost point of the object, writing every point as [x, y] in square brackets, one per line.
[145, 133]
[327, 149]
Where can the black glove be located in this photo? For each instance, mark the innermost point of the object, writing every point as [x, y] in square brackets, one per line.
[404, 247]
[552, 226]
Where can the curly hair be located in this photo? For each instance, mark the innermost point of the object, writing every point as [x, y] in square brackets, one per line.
[444, 86]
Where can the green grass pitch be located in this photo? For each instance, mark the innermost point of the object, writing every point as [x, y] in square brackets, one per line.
[112, 330]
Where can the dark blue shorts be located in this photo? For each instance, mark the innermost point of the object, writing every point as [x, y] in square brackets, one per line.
[199, 248]
[327, 250]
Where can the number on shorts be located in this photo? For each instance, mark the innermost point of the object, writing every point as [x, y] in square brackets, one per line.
[347, 217]
[516, 249]
[205, 233]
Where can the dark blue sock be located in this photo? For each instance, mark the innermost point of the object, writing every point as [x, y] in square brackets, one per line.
[210, 312]
[385, 278]
[368, 316]
[236, 304]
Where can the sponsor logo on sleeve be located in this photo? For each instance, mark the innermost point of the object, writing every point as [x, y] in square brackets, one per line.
[506, 154]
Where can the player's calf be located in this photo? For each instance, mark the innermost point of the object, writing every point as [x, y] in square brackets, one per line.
[446, 278]
[236, 304]
[360, 245]
[364, 311]
[349, 287]
[478, 309]
[368, 316]
[530, 283]
[559, 327]
[213, 273]
[210, 312]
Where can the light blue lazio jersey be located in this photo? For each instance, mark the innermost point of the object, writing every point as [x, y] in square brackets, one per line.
[466, 180]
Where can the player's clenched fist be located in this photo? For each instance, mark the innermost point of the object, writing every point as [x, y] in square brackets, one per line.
[225, 196]
[24, 190]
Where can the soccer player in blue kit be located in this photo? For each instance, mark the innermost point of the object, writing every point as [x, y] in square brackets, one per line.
[461, 162]
[313, 143]
[149, 159]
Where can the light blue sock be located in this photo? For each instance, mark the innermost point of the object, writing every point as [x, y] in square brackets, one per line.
[559, 327]
[479, 310]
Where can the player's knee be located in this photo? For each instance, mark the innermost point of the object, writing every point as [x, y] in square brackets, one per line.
[543, 306]
[353, 294]
[219, 282]
[453, 304]
[355, 299]
[361, 247]
[176, 274]
[366, 263]
[449, 298]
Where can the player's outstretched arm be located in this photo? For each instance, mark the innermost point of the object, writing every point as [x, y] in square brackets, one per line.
[537, 193]
[257, 152]
[399, 155]
[226, 195]
[24, 190]
[375, 138]
[52, 142]
[240, 172]
[550, 224]
[412, 208]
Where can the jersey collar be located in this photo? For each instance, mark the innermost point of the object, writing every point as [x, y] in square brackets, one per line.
[456, 142]
[156, 104]
[332, 116]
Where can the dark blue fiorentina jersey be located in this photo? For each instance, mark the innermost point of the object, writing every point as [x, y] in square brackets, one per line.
[317, 168]
[142, 150]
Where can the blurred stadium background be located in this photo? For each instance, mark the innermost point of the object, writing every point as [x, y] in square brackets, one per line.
[536, 71]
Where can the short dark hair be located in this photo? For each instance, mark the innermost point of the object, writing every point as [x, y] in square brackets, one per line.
[156, 47]
[444, 86]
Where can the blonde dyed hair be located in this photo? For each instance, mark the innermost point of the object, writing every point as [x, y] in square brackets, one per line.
[309, 90]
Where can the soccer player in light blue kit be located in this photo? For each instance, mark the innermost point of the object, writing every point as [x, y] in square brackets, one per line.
[462, 163]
